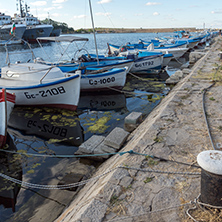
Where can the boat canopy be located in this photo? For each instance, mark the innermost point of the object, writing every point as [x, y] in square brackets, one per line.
[63, 38]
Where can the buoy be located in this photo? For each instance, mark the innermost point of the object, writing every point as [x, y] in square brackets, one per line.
[210, 162]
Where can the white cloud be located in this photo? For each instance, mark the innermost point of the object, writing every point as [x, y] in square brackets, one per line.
[104, 1]
[38, 3]
[103, 14]
[156, 13]
[217, 12]
[58, 1]
[153, 3]
[79, 16]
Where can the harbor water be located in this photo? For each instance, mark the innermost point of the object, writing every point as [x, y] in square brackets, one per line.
[57, 132]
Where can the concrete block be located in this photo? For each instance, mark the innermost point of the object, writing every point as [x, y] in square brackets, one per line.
[186, 71]
[102, 148]
[130, 127]
[133, 118]
[90, 145]
[116, 138]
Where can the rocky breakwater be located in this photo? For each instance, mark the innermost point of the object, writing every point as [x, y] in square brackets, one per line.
[159, 181]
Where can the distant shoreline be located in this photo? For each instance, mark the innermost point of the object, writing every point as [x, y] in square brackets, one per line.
[141, 30]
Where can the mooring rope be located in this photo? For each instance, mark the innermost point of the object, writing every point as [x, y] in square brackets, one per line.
[94, 155]
[197, 205]
[68, 186]
[204, 109]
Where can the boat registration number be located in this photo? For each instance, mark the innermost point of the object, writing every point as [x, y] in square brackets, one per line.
[45, 128]
[144, 64]
[102, 81]
[45, 93]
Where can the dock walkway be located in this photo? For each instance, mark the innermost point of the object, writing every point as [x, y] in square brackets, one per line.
[161, 188]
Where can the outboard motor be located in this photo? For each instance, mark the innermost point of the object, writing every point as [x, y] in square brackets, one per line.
[83, 58]
[131, 56]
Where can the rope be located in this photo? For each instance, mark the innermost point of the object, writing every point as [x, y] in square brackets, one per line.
[68, 186]
[71, 156]
[94, 155]
[205, 116]
[204, 110]
[198, 203]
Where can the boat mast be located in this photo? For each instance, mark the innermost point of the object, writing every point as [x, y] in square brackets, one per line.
[21, 9]
[94, 31]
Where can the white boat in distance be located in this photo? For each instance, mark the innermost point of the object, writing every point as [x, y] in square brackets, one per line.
[7, 102]
[6, 25]
[176, 52]
[34, 28]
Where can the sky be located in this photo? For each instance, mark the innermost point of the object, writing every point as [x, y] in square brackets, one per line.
[125, 13]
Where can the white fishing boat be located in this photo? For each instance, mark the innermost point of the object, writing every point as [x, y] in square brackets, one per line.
[104, 80]
[176, 52]
[95, 75]
[7, 102]
[41, 85]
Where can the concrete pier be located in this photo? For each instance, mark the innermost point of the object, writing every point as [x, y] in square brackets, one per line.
[159, 189]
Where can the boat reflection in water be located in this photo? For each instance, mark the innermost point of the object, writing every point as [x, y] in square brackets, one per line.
[10, 165]
[102, 102]
[56, 125]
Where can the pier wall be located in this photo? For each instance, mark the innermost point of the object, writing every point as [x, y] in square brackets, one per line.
[175, 132]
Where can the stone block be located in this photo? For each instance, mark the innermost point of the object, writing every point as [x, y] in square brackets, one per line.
[186, 71]
[90, 145]
[133, 118]
[179, 74]
[132, 121]
[116, 138]
[101, 149]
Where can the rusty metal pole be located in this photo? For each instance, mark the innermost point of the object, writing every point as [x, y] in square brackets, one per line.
[210, 162]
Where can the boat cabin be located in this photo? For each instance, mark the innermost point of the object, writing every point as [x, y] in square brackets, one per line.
[5, 19]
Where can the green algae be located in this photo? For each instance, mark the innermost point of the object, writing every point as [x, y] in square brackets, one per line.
[100, 125]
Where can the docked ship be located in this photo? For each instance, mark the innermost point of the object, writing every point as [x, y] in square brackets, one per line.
[6, 24]
[34, 28]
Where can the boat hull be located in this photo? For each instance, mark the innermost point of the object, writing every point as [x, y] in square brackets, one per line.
[5, 31]
[111, 79]
[61, 93]
[150, 64]
[33, 32]
[7, 102]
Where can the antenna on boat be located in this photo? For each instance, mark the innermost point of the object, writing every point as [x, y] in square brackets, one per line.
[94, 31]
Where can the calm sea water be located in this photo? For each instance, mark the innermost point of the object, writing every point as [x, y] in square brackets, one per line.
[52, 131]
